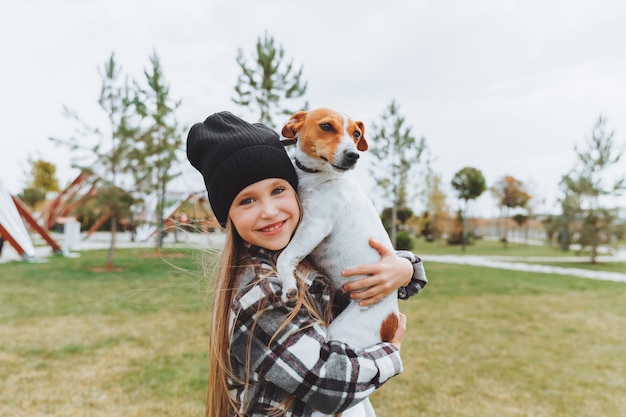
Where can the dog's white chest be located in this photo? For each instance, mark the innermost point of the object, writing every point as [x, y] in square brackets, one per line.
[347, 219]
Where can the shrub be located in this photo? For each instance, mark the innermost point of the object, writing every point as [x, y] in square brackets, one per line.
[404, 241]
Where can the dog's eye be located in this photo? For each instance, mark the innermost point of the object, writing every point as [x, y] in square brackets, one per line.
[357, 134]
[326, 127]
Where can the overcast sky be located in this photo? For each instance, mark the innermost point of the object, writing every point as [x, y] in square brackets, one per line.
[508, 87]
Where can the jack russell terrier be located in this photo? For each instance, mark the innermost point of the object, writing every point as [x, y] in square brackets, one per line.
[338, 220]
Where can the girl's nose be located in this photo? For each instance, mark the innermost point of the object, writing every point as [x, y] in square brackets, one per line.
[269, 209]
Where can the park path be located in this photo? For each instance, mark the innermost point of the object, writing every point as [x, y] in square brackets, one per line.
[197, 240]
[522, 265]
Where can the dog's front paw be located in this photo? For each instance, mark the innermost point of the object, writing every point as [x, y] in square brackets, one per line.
[287, 276]
[290, 296]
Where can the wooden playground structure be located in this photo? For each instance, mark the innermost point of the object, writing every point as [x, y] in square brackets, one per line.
[188, 211]
[14, 232]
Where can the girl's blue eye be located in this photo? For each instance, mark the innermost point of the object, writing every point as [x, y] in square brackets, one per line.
[246, 201]
[278, 190]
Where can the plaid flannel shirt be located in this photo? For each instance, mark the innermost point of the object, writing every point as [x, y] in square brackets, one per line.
[321, 374]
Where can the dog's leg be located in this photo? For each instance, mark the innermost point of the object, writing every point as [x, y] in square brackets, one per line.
[307, 237]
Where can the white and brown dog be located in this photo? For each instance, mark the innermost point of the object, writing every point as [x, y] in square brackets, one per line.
[338, 220]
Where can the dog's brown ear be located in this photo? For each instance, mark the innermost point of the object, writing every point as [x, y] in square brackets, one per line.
[362, 143]
[287, 132]
[294, 124]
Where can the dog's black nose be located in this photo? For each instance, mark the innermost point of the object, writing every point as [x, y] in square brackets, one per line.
[352, 156]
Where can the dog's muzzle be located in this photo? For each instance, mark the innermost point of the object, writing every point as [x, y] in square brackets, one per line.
[347, 161]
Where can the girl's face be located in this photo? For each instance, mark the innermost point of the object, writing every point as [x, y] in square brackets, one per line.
[266, 213]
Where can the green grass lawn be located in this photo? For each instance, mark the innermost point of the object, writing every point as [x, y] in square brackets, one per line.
[492, 248]
[82, 343]
[480, 342]
[487, 248]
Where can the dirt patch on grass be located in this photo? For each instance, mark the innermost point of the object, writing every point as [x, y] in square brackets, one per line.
[106, 269]
[164, 255]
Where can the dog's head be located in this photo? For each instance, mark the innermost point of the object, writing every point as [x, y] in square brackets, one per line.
[327, 135]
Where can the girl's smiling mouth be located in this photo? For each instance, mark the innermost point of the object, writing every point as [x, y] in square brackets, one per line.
[273, 228]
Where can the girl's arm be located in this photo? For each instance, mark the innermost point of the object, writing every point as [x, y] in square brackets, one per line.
[402, 271]
[328, 375]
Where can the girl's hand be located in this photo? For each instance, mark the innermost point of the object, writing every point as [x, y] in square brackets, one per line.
[385, 276]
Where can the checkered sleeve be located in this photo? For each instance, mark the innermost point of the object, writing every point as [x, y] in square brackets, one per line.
[329, 376]
[418, 280]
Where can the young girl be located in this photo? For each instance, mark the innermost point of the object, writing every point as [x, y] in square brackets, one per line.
[266, 358]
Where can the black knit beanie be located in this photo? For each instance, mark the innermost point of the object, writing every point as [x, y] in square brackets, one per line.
[231, 154]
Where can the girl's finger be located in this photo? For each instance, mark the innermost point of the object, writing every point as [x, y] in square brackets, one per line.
[365, 269]
[360, 284]
[380, 247]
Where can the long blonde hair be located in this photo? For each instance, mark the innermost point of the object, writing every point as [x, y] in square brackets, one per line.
[232, 263]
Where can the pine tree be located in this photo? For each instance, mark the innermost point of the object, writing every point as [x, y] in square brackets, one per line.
[268, 81]
[108, 157]
[587, 186]
[398, 155]
[154, 154]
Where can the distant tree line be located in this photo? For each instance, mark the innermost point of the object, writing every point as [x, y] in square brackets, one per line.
[589, 210]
